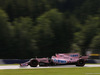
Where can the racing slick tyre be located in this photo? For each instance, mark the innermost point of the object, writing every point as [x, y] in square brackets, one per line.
[34, 63]
[80, 62]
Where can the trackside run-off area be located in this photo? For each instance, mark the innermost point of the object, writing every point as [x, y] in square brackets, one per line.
[88, 69]
[53, 71]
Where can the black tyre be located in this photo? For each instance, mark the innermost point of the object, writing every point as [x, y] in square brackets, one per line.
[80, 62]
[34, 63]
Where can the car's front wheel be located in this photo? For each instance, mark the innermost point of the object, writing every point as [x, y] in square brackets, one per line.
[34, 63]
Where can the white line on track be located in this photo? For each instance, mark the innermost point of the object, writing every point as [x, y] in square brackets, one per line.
[28, 67]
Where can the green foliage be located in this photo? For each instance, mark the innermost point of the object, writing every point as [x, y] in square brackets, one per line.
[95, 44]
[23, 41]
[4, 33]
[44, 35]
[88, 32]
[59, 26]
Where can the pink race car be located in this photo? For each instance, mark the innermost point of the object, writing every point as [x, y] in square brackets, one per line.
[58, 59]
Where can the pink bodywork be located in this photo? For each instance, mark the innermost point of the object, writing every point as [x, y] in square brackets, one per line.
[64, 58]
[45, 60]
[61, 58]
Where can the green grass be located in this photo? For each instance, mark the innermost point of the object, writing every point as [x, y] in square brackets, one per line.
[7, 64]
[53, 71]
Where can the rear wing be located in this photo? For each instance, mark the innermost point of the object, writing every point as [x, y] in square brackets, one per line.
[84, 57]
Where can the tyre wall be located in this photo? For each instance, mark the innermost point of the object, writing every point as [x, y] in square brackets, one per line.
[93, 61]
[12, 61]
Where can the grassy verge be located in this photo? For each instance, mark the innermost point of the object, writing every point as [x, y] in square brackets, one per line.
[7, 64]
[53, 71]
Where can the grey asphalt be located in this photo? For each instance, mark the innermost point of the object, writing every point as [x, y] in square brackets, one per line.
[2, 67]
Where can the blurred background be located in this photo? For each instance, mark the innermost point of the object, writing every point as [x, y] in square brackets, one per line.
[41, 28]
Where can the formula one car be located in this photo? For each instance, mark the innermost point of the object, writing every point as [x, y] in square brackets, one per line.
[58, 59]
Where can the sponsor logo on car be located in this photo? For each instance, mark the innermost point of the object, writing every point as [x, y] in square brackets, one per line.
[74, 55]
[60, 61]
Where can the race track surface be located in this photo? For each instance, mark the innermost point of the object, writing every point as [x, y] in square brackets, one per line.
[28, 67]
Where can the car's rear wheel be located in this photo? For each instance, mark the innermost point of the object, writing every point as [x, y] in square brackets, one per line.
[34, 63]
[80, 62]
